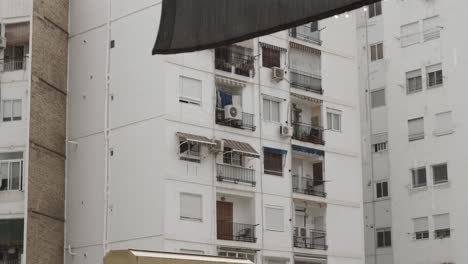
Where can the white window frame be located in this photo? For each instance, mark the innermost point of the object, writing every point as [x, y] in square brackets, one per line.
[442, 229]
[381, 90]
[417, 136]
[384, 231]
[189, 155]
[417, 77]
[270, 108]
[381, 183]
[442, 131]
[421, 234]
[431, 74]
[12, 117]
[374, 8]
[188, 218]
[186, 99]
[433, 173]
[416, 182]
[332, 115]
[380, 147]
[10, 162]
[374, 48]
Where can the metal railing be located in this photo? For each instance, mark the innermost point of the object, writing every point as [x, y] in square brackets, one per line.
[235, 174]
[306, 34]
[228, 61]
[308, 186]
[236, 232]
[306, 81]
[317, 239]
[13, 65]
[308, 133]
[10, 261]
[247, 121]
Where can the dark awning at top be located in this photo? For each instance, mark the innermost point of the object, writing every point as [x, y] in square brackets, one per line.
[191, 25]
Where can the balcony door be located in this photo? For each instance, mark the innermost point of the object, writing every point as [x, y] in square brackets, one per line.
[318, 173]
[224, 216]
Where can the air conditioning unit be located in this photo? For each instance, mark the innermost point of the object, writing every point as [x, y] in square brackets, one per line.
[232, 112]
[286, 131]
[302, 232]
[278, 74]
[218, 148]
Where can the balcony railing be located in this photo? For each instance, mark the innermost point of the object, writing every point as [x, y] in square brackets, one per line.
[236, 232]
[228, 61]
[13, 65]
[10, 261]
[308, 133]
[306, 81]
[308, 186]
[235, 174]
[315, 240]
[247, 121]
[306, 34]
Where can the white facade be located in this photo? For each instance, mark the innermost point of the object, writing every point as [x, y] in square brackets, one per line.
[421, 72]
[127, 185]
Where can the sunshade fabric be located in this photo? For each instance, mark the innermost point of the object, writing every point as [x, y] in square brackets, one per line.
[241, 147]
[191, 25]
[149, 257]
[275, 151]
[195, 138]
[308, 150]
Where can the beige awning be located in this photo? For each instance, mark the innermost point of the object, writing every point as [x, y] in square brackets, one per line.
[306, 98]
[241, 147]
[229, 82]
[195, 139]
[152, 257]
[305, 48]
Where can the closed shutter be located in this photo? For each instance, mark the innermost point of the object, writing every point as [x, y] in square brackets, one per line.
[420, 224]
[17, 110]
[274, 218]
[190, 206]
[443, 121]
[431, 28]
[7, 110]
[190, 89]
[410, 34]
[416, 127]
[441, 221]
[378, 98]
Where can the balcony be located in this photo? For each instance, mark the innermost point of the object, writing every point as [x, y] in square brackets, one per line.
[308, 186]
[308, 133]
[315, 239]
[235, 174]
[247, 121]
[236, 232]
[235, 59]
[13, 65]
[308, 33]
[306, 81]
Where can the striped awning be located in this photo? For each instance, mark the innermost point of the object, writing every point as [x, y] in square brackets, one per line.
[195, 139]
[273, 47]
[241, 147]
[306, 98]
[305, 48]
[229, 82]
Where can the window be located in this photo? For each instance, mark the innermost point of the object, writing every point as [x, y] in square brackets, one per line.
[442, 226]
[440, 173]
[409, 34]
[232, 158]
[274, 218]
[11, 171]
[376, 51]
[11, 110]
[237, 254]
[421, 228]
[271, 110]
[314, 26]
[189, 151]
[419, 177]
[384, 237]
[444, 124]
[434, 76]
[271, 57]
[273, 162]
[334, 120]
[191, 207]
[375, 9]
[431, 28]
[378, 98]
[416, 129]
[382, 189]
[190, 91]
[413, 81]
[380, 147]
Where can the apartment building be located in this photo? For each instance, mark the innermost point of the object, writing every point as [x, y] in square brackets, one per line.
[412, 61]
[33, 77]
[248, 151]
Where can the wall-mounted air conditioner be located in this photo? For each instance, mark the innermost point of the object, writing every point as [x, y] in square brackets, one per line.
[277, 74]
[232, 112]
[286, 131]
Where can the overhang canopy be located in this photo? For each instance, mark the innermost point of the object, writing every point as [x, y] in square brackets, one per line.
[241, 147]
[191, 25]
[306, 150]
[195, 139]
[152, 257]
